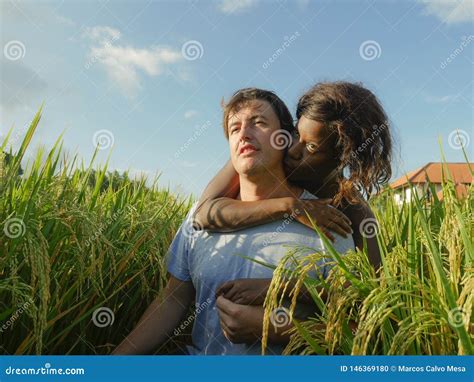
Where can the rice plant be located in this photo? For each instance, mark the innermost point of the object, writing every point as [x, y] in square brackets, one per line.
[80, 261]
[81, 258]
[420, 302]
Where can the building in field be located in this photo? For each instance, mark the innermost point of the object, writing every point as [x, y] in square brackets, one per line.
[434, 172]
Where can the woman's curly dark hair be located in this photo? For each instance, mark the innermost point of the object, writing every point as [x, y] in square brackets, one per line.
[364, 143]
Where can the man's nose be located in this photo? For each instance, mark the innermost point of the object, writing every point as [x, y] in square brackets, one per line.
[245, 132]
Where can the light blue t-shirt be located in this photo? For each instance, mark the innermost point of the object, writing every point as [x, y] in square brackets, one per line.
[208, 259]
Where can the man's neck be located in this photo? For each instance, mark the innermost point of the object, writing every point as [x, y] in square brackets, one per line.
[267, 185]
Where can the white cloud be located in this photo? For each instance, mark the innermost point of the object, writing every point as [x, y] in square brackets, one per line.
[440, 99]
[450, 11]
[231, 6]
[190, 113]
[126, 64]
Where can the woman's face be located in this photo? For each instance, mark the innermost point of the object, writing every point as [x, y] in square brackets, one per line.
[312, 156]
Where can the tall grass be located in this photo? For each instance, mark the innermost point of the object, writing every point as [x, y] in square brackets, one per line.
[419, 303]
[69, 248]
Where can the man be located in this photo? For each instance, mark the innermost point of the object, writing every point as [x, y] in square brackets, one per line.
[255, 124]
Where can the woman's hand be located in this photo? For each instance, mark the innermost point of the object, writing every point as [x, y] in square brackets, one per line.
[326, 217]
[244, 291]
[240, 323]
[244, 324]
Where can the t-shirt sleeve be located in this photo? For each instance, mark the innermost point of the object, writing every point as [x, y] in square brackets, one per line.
[177, 257]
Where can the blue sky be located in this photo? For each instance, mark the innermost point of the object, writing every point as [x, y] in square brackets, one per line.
[147, 77]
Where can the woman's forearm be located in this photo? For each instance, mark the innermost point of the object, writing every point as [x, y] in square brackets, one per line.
[227, 215]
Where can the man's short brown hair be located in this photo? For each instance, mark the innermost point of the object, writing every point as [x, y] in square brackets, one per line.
[243, 96]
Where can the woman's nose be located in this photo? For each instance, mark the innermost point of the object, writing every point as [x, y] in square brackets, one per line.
[295, 152]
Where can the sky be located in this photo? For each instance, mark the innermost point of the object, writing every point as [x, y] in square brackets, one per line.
[144, 80]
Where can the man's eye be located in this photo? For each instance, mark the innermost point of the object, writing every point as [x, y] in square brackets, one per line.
[259, 123]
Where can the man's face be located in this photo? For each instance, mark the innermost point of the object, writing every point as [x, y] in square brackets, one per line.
[250, 138]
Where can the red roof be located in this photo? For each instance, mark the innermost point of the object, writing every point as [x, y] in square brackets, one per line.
[435, 172]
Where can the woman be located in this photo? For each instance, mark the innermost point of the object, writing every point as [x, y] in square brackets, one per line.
[341, 148]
